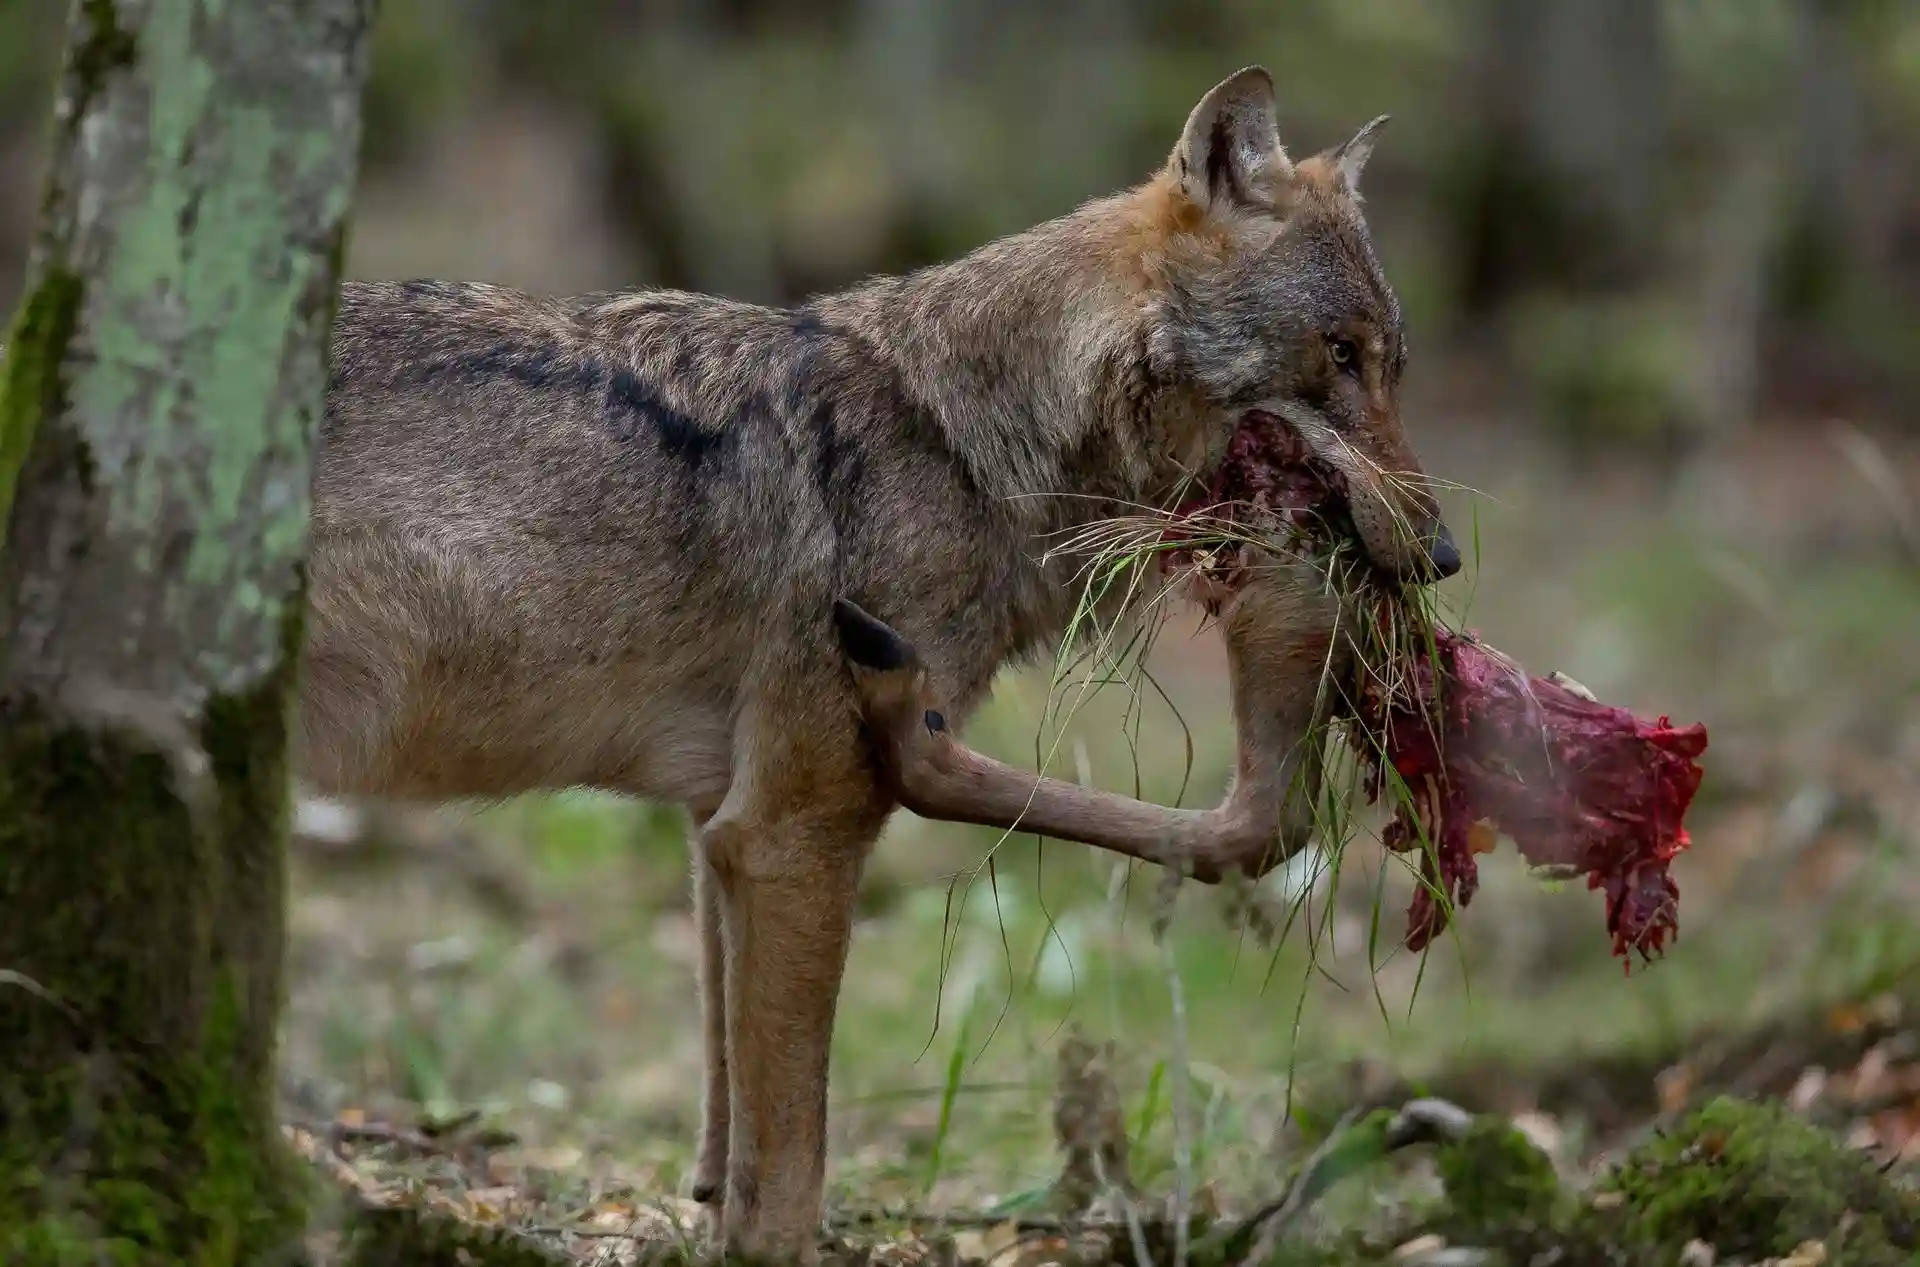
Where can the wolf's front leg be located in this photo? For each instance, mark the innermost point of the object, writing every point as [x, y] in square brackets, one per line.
[786, 852]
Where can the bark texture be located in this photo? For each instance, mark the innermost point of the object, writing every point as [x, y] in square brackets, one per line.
[158, 397]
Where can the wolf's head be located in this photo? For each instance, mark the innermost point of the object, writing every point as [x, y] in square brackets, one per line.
[1270, 298]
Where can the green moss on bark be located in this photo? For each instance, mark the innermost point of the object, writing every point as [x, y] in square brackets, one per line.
[104, 45]
[138, 1088]
[31, 386]
[144, 690]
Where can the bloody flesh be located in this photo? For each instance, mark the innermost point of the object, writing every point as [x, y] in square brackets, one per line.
[1479, 749]
[1271, 479]
[1579, 786]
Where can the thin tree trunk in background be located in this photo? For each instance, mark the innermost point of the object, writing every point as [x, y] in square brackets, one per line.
[1568, 149]
[158, 399]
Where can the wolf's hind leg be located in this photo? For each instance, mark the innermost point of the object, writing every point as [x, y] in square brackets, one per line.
[786, 850]
[710, 1167]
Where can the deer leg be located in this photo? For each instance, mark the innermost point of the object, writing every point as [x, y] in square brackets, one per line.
[1285, 661]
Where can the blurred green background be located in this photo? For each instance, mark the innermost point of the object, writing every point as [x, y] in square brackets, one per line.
[1660, 261]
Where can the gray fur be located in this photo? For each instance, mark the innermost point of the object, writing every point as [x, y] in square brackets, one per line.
[598, 540]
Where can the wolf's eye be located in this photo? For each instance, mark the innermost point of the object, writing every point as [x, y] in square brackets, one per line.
[1344, 353]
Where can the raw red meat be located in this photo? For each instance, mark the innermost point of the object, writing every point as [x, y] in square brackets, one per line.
[1483, 749]
[1579, 786]
[1270, 477]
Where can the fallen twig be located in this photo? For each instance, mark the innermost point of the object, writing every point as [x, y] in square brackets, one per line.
[1255, 1238]
[21, 981]
[1265, 1226]
[1427, 1121]
[443, 1143]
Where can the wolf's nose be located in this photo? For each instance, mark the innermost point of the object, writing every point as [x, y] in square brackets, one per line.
[1443, 556]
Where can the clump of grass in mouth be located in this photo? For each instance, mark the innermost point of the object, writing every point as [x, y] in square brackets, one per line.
[1389, 629]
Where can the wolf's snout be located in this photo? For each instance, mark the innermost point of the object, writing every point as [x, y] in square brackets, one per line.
[1443, 556]
[1429, 557]
[1397, 521]
[1404, 535]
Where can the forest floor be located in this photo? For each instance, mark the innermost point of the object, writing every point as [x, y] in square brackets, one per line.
[498, 1022]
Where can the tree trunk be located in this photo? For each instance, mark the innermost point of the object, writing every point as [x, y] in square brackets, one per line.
[1557, 185]
[157, 404]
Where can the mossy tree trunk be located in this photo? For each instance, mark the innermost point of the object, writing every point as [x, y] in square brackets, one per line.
[158, 398]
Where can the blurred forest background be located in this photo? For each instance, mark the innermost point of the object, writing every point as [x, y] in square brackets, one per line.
[1660, 261]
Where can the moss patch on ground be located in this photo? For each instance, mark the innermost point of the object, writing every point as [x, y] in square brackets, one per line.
[1754, 1181]
[1750, 1180]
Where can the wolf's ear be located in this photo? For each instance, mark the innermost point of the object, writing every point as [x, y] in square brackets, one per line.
[1350, 159]
[1230, 150]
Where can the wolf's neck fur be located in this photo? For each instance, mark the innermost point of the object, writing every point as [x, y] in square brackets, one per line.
[1032, 353]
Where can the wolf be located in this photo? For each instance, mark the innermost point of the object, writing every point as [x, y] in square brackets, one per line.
[630, 541]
